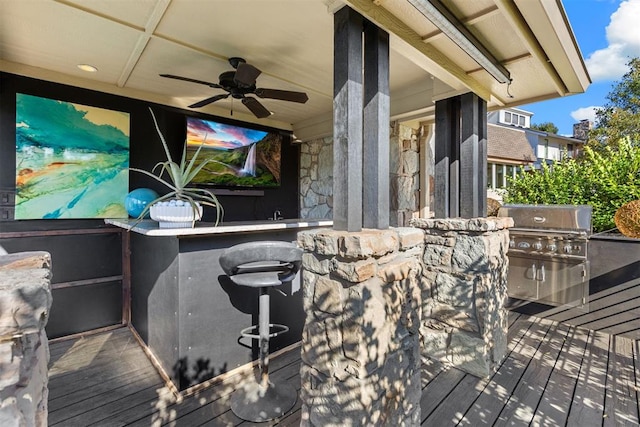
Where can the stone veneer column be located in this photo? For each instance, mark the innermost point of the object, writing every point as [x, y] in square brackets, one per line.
[316, 178]
[360, 344]
[25, 300]
[404, 174]
[464, 290]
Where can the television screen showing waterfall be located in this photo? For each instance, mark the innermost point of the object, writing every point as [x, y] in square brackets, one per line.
[234, 156]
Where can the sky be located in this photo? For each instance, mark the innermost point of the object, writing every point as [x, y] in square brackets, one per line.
[608, 35]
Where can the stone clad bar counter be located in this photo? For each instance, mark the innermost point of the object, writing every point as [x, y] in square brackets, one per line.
[380, 302]
[464, 291]
[184, 307]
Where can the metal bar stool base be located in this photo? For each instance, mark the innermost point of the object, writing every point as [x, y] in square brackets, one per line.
[254, 402]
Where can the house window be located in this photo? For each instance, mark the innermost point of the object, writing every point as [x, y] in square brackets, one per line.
[521, 120]
[569, 150]
[498, 174]
[546, 149]
[507, 117]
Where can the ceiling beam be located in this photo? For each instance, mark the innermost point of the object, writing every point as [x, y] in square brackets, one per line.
[143, 39]
[424, 55]
[469, 20]
[448, 23]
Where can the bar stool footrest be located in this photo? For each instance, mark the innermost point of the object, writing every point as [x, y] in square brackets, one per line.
[278, 329]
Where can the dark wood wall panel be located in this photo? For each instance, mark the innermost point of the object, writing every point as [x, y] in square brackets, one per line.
[75, 257]
[85, 308]
[87, 264]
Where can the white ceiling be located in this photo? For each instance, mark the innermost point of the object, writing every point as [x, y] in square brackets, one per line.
[132, 41]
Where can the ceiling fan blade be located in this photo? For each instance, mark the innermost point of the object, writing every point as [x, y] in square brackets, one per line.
[208, 101]
[187, 79]
[256, 108]
[246, 74]
[284, 95]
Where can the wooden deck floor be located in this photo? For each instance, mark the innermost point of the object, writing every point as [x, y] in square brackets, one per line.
[555, 374]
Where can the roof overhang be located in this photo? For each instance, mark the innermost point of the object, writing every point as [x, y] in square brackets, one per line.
[291, 41]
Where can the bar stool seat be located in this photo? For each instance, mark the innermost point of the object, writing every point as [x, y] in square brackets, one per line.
[262, 265]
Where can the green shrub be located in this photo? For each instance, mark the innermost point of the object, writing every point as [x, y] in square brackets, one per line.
[605, 179]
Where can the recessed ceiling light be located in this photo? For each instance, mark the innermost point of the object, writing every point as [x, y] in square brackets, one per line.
[88, 68]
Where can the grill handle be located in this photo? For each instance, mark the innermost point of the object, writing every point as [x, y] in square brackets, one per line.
[541, 275]
[532, 276]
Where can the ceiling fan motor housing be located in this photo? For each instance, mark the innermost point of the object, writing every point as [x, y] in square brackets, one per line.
[230, 85]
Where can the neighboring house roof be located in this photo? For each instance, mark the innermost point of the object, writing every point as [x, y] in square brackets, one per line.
[508, 143]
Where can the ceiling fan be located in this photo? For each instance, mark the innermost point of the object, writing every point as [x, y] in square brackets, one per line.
[242, 82]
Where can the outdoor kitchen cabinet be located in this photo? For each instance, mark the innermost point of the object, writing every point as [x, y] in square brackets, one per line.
[549, 281]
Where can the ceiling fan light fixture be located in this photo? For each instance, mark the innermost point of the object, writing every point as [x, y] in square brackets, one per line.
[88, 68]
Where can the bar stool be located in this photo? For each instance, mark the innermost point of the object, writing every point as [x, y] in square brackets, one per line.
[262, 265]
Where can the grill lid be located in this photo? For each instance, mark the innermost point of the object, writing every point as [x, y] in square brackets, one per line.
[574, 218]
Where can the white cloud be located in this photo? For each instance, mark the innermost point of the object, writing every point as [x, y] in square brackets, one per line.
[585, 113]
[623, 37]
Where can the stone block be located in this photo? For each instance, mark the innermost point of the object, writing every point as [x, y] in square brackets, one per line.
[327, 242]
[454, 289]
[308, 290]
[409, 237]
[463, 224]
[325, 159]
[24, 353]
[405, 192]
[470, 254]
[470, 353]
[320, 211]
[410, 162]
[356, 272]
[437, 256]
[464, 319]
[25, 292]
[434, 341]
[328, 296]
[305, 161]
[319, 264]
[368, 243]
[307, 240]
[399, 269]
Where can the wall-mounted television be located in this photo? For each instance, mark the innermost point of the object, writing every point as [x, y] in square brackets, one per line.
[236, 156]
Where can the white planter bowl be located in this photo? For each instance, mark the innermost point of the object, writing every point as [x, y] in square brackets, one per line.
[174, 216]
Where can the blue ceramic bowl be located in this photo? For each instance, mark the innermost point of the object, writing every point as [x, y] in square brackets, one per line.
[137, 200]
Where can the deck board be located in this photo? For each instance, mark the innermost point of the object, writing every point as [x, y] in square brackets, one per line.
[620, 405]
[615, 311]
[553, 374]
[556, 398]
[587, 404]
[488, 406]
[522, 404]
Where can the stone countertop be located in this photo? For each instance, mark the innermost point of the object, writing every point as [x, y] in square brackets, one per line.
[150, 228]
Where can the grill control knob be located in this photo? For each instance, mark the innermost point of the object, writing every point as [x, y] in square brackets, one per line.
[512, 243]
[537, 245]
[552, 247]
[567, 249]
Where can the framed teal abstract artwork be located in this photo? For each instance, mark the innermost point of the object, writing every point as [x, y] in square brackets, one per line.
[71, 160]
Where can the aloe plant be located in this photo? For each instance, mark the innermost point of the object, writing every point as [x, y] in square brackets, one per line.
[178, 177]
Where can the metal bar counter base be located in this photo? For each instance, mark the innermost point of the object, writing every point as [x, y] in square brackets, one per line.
[187, 311]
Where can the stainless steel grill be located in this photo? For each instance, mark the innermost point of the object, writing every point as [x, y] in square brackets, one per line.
[548, 260]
